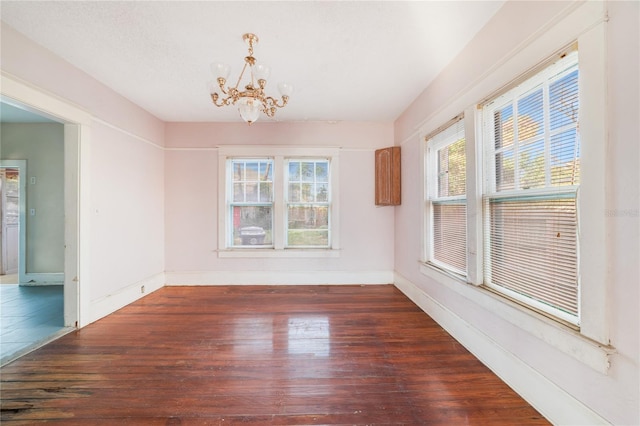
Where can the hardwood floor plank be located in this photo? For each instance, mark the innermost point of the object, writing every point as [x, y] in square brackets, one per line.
[264, 355]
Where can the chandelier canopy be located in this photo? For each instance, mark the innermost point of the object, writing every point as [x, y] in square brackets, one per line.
[250, 100]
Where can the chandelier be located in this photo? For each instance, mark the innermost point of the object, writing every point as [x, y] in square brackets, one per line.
[250, 100]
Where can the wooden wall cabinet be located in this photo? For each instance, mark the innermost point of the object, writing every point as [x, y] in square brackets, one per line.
[388, 176]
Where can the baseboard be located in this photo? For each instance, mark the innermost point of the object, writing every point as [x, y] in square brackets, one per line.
[107, 305]
[558, 406]
[278, 277]
[37, 278]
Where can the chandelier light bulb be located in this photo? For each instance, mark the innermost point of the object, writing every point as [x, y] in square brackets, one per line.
[249, 109]
[261, 72]
[220, 70]
[285, 89]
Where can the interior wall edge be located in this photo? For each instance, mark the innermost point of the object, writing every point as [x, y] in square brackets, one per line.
[101, 307]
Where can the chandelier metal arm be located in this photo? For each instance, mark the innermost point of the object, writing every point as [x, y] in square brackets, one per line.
[271, 101]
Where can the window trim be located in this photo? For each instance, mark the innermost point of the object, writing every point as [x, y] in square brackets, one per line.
[539, 78]
[279, 154]
[288, 203]
[431, 188]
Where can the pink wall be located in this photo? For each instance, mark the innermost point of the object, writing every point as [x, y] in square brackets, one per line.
[614, 395]
[126, 165]
[366, 231]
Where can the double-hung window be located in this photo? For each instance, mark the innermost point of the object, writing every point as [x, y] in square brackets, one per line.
[446, 198]
[278, 200]
[532, 174]
[251, 202]
[308, 203]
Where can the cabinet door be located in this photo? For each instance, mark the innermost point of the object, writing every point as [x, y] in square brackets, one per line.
[388, 176]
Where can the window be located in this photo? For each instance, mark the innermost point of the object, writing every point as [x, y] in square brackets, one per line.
[532, 173]
[277, 200]
[308, 207]
[251, 204]
[446, 187]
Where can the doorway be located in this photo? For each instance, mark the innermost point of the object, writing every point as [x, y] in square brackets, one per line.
[36, 307]
[9, 221]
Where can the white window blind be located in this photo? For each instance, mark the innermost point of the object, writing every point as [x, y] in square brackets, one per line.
[533, 172]
[447, 198]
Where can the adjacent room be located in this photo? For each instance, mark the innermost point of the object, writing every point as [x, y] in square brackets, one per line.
[331, 212]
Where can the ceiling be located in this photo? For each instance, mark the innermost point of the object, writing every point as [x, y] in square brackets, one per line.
[348, 60]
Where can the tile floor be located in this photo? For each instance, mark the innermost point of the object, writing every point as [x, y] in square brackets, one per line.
[29, 317]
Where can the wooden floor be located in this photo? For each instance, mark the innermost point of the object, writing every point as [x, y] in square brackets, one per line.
[261, 355]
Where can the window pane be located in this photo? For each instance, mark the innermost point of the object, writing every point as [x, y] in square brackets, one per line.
[294, 192]
[450, 234]
[294, 171]
[307, 192]
[251, 171]
[266, 171]
[530, 119]
[251, 192]
[532, 250]
[505, 171]
[308, 226]
[252, 225]
[238, 171]
[322, 171]
[452, 169]
[531, 165]
[322, 192]
[565, 158]
[307, 171]
[266, 192]
[238, 192]
[503, 127]
[563, 100]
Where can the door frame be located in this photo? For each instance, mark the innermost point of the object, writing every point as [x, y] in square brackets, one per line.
[21, 165]
[77, 127]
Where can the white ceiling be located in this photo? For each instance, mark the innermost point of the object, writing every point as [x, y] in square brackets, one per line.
[348, 60]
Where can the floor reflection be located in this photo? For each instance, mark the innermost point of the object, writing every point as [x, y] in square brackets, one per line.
[309, 335]
[253, 335]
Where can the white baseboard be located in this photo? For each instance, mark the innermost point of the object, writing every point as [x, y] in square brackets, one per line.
[37, 278]
[558, 406]
[278, 277]
[106, 305]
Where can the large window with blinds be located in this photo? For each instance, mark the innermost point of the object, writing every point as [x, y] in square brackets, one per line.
[446, 198]
[532, 174]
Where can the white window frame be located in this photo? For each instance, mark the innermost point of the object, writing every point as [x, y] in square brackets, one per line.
[539, 81]
[279, 155]
[435, 142]
[289, 203]
[590, 342]
[229, 192]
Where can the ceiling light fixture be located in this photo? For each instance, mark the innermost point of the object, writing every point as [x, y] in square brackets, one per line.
[251, 100]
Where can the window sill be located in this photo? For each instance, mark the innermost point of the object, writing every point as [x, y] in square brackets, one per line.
[279, 253]
[562, 337]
